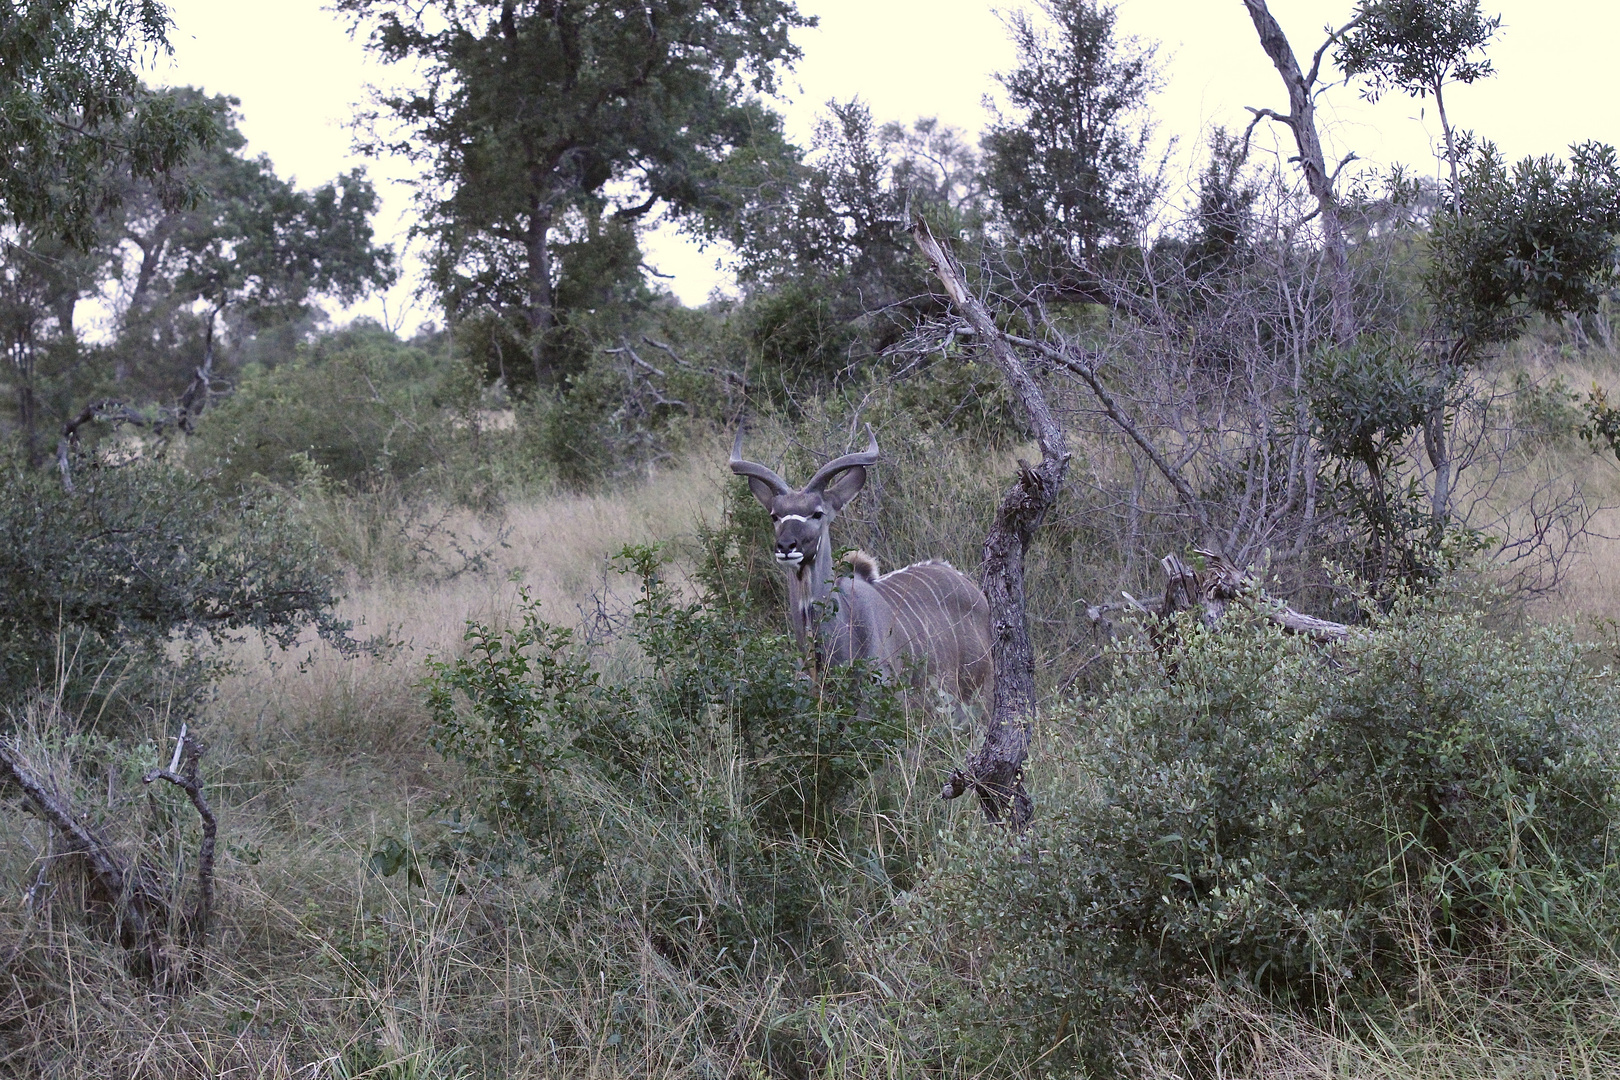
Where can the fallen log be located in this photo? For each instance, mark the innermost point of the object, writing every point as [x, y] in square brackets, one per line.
[1223, 584]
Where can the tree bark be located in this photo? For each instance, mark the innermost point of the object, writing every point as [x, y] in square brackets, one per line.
[1301, 119]
[995, 772]
[182, 773]
[136, 922]
[1451, 145]
[542, 313]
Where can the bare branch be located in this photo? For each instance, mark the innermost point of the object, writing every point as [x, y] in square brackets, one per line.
[1333, 36]
[1259, 115]
[996, 770]
[1088, 373]
[182, 773]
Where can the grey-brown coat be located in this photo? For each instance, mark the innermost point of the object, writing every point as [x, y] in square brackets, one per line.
[926, 619]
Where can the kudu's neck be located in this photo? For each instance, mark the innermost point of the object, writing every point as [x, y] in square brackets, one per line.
[809, 584]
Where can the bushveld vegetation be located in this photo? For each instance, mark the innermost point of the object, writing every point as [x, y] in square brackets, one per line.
[481, 657]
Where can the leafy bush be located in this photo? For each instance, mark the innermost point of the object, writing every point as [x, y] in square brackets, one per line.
[1253, 813]
[1533, 238]
[803, 335]
[365, 406]
[545, 734]
[94, 586]
[1546, 413]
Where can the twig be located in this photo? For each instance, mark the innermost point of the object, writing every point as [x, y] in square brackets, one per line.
[182, 773]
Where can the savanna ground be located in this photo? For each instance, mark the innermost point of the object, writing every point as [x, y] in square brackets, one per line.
[341, 949]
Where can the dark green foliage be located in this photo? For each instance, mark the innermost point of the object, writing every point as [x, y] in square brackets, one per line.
[1224, 220]
[1417, 46]
[832, 276]
[250, 248]
[1069, 169]
[1602, 421]
[245, 255]
[648, 379]
[529, 709]
[95, 586]
[1240, 809]
[835, 215]
[1367, 399]
[534, 708]
[75, 120]
[360, 404]
[1366, 402]
[530, 110]
[1536, 239]
[49, 373]
[736, 563]
[805, 335]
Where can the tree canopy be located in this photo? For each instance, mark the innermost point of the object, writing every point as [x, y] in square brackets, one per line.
[1069, 167]
[75, 117]
[245, 245]
[530, 111]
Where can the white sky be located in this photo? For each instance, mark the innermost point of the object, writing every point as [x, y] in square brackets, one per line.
[299, 75]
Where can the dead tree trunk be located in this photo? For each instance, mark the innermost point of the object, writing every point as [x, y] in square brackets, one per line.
[136, 911]
[995, 771]
[144, 922]
[1301, 120]
[182, 773]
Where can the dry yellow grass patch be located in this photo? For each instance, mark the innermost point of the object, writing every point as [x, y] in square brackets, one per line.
[333, 742]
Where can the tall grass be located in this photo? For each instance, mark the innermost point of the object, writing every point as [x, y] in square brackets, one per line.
[322, 966]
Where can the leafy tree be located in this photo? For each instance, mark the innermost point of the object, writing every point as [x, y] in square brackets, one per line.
[530, 109]
[934, 165]
[250, 246]
[830, 213]
[74, 117]
[835, 210]
[1536, 239]
[1417, 46]
[1224, 218]
[42, 279]
[1069, 172]
[359, 406]
[830, 276]
[1366, 402]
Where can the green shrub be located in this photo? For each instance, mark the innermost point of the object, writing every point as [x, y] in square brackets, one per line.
[1547, 413]
[558, 751]
[1248, 811]
[95, 586]
[360, 403]
[804, 334]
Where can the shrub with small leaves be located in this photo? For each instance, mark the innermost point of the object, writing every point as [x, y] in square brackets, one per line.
[529, 709]
[96, 585]
[1261, 815]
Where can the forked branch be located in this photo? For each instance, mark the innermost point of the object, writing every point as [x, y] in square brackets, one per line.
[995, 772]
[182, 773]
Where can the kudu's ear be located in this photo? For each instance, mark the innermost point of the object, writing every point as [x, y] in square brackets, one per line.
[845, 487]
[762, 491]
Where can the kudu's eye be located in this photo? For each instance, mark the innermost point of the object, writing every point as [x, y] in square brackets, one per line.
[816, 515]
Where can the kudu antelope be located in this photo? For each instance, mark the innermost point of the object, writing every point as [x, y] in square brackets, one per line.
[924, 619]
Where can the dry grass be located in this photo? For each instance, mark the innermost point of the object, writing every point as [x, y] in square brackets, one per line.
[317, 966]
[320, 968]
